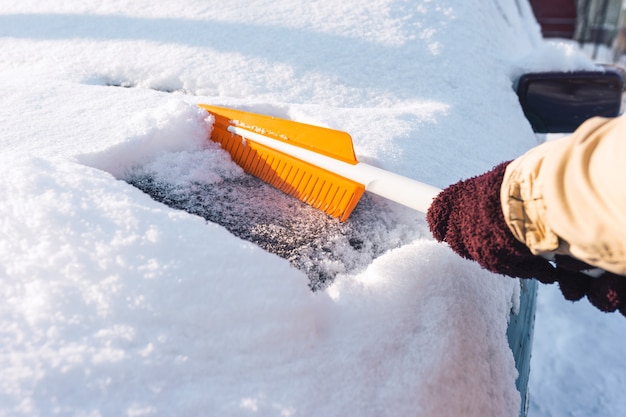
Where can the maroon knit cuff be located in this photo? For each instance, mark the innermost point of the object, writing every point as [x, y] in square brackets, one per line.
[468, 216]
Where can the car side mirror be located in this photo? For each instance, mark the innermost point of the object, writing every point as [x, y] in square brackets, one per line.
[558, 102]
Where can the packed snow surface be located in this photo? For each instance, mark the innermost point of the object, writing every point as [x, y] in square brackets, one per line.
[143, 273]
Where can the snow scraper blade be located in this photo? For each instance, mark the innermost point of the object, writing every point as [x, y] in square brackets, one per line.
[315, 164]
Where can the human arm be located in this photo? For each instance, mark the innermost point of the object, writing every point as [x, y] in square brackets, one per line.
[550, 214]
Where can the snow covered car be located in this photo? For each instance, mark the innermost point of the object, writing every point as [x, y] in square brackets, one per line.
[143, 273]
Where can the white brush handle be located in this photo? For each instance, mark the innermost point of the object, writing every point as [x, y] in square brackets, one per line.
[403, 190]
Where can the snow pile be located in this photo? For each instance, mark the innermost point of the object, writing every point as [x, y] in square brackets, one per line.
[171, 128]
[114, 303]
[555, 55]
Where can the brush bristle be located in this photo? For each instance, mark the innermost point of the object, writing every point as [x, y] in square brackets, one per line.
[329, 192]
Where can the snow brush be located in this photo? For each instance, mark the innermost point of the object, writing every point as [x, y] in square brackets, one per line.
[314, 164]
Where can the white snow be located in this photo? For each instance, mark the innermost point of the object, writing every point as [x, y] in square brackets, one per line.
[114, 304]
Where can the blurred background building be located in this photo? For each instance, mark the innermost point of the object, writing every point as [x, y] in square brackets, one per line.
[597, 23]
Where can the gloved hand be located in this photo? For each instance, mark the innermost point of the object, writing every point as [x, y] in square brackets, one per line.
[468, 217]
[606, 292]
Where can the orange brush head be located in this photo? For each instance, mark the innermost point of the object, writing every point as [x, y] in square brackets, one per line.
[320, 188]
